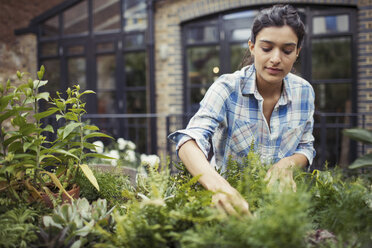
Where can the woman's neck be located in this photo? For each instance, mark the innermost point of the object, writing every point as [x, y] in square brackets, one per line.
[268, 90]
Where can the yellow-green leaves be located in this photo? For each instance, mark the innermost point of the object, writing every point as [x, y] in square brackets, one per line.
[89, 174]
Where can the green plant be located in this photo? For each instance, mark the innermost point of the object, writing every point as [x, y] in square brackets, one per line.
[364, 136]
[25, 150]
[74, 223]
[18, 227]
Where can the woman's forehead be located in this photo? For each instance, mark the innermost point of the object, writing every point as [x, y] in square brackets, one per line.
[278, 35]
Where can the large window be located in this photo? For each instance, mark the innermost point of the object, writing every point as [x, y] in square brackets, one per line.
[100, 44]
[217, 45]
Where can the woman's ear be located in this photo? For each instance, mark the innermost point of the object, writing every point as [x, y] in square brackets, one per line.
[298, 51]
[251, 47]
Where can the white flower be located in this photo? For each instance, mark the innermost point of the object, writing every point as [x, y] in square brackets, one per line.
[131, 145]
[150, 160]
[99, 146]
[130, 156]
[114, 154]
[122, 143]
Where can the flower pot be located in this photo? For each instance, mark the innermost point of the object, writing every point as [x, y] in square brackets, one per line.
[74, 193]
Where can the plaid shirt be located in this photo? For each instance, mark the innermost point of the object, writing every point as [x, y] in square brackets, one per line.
[231, 116]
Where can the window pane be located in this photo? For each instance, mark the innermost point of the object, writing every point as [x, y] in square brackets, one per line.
[330, 24]
[105, 47]
[106, 67]
[133, 41]
[237, 54]
[75, 50]
[136, 102]
[202, 34]
[75, 20]
[333, 97]
[135, 16]
[106, 102]
[196, 95]
[50, 28]
[240, 34]
[331, 58]
[53, 75]
[140, 137]
[49, 49]
[203, 63]
[106, 15]
[135, 69]
[76, 72]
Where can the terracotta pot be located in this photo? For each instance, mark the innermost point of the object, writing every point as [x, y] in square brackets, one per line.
[74, 193]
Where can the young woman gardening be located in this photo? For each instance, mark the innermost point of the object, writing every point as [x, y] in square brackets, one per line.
[262, 107]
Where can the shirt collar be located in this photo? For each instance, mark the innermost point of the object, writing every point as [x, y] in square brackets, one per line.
[248, 85]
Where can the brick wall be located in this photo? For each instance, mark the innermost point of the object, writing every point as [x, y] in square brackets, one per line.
[169, 14]
[19, 52]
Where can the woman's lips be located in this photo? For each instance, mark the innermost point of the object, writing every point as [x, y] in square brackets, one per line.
[274, 71]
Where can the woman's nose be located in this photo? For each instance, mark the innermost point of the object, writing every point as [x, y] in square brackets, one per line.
[275, 58]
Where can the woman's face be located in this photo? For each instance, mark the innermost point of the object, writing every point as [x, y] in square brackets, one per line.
[274, 53]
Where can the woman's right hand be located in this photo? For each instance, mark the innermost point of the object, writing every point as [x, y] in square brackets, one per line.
[226, 198]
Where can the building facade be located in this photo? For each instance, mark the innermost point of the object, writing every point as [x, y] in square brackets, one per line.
[150, 62]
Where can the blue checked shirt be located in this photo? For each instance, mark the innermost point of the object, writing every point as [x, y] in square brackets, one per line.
[231, 116]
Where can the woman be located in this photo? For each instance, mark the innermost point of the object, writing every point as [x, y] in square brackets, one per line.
[262, 107]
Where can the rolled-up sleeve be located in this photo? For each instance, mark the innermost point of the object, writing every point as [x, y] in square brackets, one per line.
[204, 123]
[306, 145]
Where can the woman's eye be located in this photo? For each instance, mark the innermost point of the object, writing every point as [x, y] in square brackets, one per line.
[266, 49]
[287, 51]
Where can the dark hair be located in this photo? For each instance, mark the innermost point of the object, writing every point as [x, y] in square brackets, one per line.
[276, 16]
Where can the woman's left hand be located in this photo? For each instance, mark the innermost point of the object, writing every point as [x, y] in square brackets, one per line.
[281, 172]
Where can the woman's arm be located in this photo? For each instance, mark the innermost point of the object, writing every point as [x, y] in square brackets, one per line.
[226, 196]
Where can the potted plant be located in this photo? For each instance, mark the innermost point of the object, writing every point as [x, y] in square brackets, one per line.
[26, 152]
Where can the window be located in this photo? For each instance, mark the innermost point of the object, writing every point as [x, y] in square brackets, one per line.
[100, 44]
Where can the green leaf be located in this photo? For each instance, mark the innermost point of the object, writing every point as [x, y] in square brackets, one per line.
[27, 145]
[87, 92]
[7, 114]
[61, 151]
[91, 127]
[43, 95]
[11, 140]
[27, 129]
[4, 101]
[48, 128]
[39, 83]
[359, 134]
[69, 128]
[89, 174]
[46, 113]
[58, 117]
[96, 155]
[56, 182]
[71, 116]
[363, 161]
[48, 156]
[96, 134]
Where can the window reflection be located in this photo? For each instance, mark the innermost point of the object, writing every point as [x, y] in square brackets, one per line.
[133, 41]
[49, 49]
[202, 34]
[331, 58]
[50, 28]
[135, 15]
[106, 67]
[332, 97]
[136, 102]
[106, 15]
[106, 102]
[135, 69]
[75, 19]
[52, 74]
[76, 72]
[237, 52]
[331, 23]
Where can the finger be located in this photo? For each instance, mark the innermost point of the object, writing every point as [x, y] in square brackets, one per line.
[228, 208]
